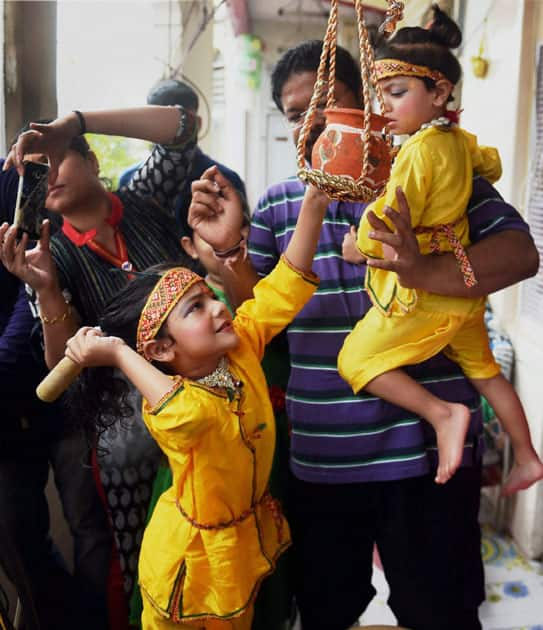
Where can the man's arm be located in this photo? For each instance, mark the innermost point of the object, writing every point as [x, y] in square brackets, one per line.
[503, 254]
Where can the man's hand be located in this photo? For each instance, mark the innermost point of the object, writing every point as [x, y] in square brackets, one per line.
[403, 256]
[216, 211]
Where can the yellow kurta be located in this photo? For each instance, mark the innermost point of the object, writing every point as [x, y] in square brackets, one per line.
[435, 169]
[220, 452]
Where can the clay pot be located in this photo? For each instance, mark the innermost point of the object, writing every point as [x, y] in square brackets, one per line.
[338, 150]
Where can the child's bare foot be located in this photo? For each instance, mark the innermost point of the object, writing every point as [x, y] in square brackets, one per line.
[523, 475]
[451, 432]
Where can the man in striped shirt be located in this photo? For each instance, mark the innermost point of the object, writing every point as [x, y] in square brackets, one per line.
[363, 469]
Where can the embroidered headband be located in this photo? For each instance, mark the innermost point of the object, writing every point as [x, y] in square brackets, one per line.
[385, 68]
[167, 292]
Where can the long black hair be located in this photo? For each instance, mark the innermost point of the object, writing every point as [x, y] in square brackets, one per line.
[100, 397]
[429, 47]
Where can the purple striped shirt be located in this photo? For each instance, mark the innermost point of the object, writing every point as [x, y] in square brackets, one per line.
[338, 437]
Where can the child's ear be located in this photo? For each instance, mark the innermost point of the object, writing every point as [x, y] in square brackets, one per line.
[188, 246]
[442, 91]
[159, 350]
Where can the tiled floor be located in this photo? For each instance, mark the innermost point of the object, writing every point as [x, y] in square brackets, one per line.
[514, 589]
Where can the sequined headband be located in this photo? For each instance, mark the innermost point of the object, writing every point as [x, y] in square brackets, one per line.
[385, 68]
[167, 292]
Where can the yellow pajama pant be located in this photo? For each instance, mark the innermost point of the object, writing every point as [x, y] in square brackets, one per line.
[152, 620]
[378, 343]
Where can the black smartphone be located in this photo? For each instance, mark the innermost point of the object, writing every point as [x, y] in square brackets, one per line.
[31, 196]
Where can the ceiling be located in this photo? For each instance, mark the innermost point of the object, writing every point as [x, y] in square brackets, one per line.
[296, 9]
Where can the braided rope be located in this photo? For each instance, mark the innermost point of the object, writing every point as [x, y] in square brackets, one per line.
[337, 186]
[447, 230]
[331, 32]
[331, 99]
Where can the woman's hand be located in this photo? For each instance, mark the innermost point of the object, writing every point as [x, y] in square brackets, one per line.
[350, 251]
[33, 266]
[89, 347]
[51, 139]
[216, 211]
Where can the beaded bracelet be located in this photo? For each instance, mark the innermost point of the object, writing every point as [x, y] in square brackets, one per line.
[58, 318]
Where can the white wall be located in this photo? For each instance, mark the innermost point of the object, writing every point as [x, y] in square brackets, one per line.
[498, 109]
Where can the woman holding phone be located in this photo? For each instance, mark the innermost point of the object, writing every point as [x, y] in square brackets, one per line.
[104, 237]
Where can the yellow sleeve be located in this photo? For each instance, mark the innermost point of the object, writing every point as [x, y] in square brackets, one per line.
[180, 417]
[277, 300]
[412, 171]
[487, 163]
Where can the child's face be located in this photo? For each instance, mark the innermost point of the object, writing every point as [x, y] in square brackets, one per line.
[409, 104]
[201, 329]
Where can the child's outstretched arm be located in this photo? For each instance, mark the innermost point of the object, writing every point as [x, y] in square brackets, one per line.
[303, 244]
[89, 347]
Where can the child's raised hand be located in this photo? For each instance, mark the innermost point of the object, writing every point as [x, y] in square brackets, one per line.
[216, 210]
[89, 347]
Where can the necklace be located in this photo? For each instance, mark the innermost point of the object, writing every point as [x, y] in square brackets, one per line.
[221, 377]
[442, 121]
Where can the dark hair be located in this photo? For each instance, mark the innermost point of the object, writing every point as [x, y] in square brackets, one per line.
[427, 47]
[173, 92]
[305, 57]
[107, 393]
[78, 143]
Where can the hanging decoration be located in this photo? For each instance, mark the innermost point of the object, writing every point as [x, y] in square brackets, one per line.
[351, 159]
[479, 63]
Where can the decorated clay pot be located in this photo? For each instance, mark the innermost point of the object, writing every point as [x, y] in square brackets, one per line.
[338, 150]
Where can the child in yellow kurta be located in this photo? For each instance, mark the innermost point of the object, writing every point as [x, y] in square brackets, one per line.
[434, 168]
[217, 532]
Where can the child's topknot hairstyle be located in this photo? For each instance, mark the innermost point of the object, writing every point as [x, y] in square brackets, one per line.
[430, 47]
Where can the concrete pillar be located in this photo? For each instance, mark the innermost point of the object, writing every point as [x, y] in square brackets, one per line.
[29, 63]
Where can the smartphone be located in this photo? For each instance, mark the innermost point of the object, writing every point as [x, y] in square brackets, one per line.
[31, 196]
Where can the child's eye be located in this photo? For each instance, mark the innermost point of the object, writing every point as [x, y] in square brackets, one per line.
[195, 306]
[398, 93]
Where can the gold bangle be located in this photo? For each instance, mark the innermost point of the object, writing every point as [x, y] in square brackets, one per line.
[58, 318]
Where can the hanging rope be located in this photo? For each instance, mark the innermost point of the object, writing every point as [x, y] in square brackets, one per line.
[339, 186]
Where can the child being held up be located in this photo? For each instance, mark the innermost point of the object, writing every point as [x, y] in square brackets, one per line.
[417, 73]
